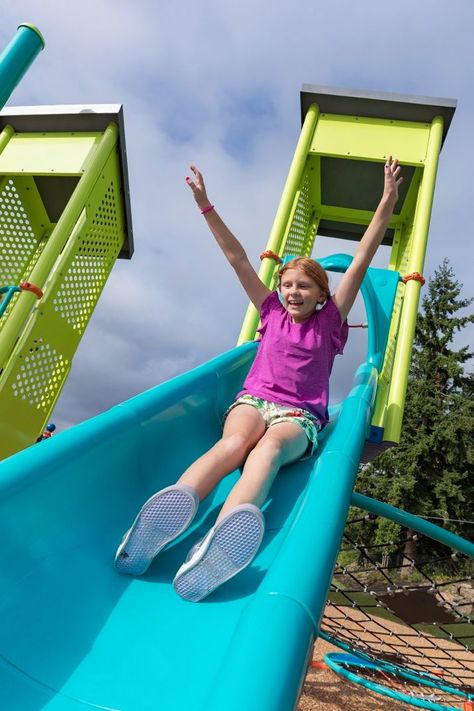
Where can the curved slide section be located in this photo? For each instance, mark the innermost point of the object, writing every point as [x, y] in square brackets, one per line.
[75, 635]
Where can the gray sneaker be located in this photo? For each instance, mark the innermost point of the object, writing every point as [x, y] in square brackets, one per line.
[227, 548]
[161, 519]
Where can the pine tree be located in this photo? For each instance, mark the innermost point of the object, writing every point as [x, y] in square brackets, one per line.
[430, 473]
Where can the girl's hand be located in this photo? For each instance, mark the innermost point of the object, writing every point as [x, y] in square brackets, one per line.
[198, 188]
[392, 180]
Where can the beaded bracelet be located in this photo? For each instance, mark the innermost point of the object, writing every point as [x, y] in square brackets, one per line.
[207, 209]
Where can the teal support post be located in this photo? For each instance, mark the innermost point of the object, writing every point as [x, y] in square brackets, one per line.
[17, 57]
[426, 528]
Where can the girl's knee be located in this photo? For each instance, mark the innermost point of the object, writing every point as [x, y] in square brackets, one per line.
[270, 447]
[238, 443]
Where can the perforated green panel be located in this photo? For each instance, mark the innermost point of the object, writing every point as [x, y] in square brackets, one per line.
[20, 233]
[97, 249]
[39, 376]
[300, 236]
[17, 239]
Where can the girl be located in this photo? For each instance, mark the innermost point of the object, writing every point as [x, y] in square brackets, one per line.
[275, 418]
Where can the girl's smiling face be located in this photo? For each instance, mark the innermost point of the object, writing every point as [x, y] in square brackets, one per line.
[300, 294]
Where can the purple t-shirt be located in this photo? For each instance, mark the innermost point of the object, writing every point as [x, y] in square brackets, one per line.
[294, 360]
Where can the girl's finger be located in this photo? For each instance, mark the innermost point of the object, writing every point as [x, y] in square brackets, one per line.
[196, 173]
[190, 183]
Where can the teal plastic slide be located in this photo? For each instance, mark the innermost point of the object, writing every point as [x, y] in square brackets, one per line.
[75, 635]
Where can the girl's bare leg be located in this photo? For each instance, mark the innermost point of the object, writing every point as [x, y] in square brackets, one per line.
[243, 428]
[283, 442]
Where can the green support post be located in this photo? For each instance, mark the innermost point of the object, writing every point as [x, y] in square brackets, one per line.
[407, 324]
[5, 136]
[280, 224]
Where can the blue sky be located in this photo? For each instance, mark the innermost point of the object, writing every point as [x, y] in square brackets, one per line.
[217, 84]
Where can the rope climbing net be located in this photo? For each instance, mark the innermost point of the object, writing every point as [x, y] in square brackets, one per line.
[403, 608]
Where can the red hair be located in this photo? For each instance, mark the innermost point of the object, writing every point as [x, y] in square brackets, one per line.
[312, 269]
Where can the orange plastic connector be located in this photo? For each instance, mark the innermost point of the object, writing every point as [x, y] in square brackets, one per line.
[416, 276]
[315, 664]
[271, 255]
[28, 286]
[468, 706]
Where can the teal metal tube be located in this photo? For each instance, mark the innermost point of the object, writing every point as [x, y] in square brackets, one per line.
[414, 522]
[6, 293]
[364, 660]
[379, 689]
[17, 57]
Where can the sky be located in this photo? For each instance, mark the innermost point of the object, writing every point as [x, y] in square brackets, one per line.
[217, 84]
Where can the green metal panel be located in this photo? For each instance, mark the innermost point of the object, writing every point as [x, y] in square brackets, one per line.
[39, 339]
[43, 154]
[299, 236]
[366, 138]
[24, 228]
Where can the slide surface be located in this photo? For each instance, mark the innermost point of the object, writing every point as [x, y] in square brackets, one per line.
[76, 635]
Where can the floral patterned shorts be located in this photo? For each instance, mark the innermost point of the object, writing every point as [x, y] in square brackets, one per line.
[273, 412]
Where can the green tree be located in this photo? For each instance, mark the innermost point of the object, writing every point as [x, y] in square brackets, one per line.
[430, 473]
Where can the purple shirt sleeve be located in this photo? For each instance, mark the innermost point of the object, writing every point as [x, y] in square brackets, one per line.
[271, 303]
[337, 331]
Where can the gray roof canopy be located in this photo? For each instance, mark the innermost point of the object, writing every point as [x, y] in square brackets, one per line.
[377, 104]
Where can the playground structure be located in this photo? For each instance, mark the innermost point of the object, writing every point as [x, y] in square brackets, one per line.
[65, 220]
[75, 635]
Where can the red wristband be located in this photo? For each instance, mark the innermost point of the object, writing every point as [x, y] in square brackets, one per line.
[207, 209]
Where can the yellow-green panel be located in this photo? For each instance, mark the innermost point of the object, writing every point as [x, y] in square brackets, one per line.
[24, 226]
[85, 268]
[32, 381]
[352, 215]
[370, 139]
[48, 154]
[41, 360]
[299, 235]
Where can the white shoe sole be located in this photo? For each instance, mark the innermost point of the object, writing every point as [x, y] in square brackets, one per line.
[228, 548]
[161, 519]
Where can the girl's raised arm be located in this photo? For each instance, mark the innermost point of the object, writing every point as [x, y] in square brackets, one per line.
[347, 290]
[230, 245]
